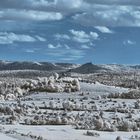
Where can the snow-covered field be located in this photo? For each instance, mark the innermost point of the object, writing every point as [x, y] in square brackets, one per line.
[69, 116]
[87, 113]
[62, 133]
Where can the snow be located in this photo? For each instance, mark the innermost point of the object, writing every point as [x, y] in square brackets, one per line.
[100, 89]
[4, 137]
[37, 63]
[64, 133]
[117, 68]
[39, 106]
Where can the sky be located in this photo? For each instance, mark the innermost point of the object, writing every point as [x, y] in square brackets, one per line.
[70, 31]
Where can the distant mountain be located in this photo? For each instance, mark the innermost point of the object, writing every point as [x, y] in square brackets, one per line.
[118, 68]
[88, 68]
[92, 68]
[67, 65]
[136, 67]
[7, 65]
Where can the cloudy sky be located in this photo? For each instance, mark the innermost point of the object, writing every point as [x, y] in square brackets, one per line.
[79, 31]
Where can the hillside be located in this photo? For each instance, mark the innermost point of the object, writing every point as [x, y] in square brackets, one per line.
[5, 65]
[87, 68]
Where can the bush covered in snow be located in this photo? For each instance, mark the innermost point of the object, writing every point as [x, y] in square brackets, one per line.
[11, 89]
[132, 94]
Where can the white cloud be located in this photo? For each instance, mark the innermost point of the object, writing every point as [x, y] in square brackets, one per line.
[57, 4]
[129, 42]
[40, 38]
[64, 46]
[85, 47]
[82, 37]
[13, 14]
[86, 12]
[9, 38]
[114, 2]
[69, 3]
[62, 36]
[81, 40]
[94, 35]
[109, 15]
[103, 29]
[51, 46]
[80, 34]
